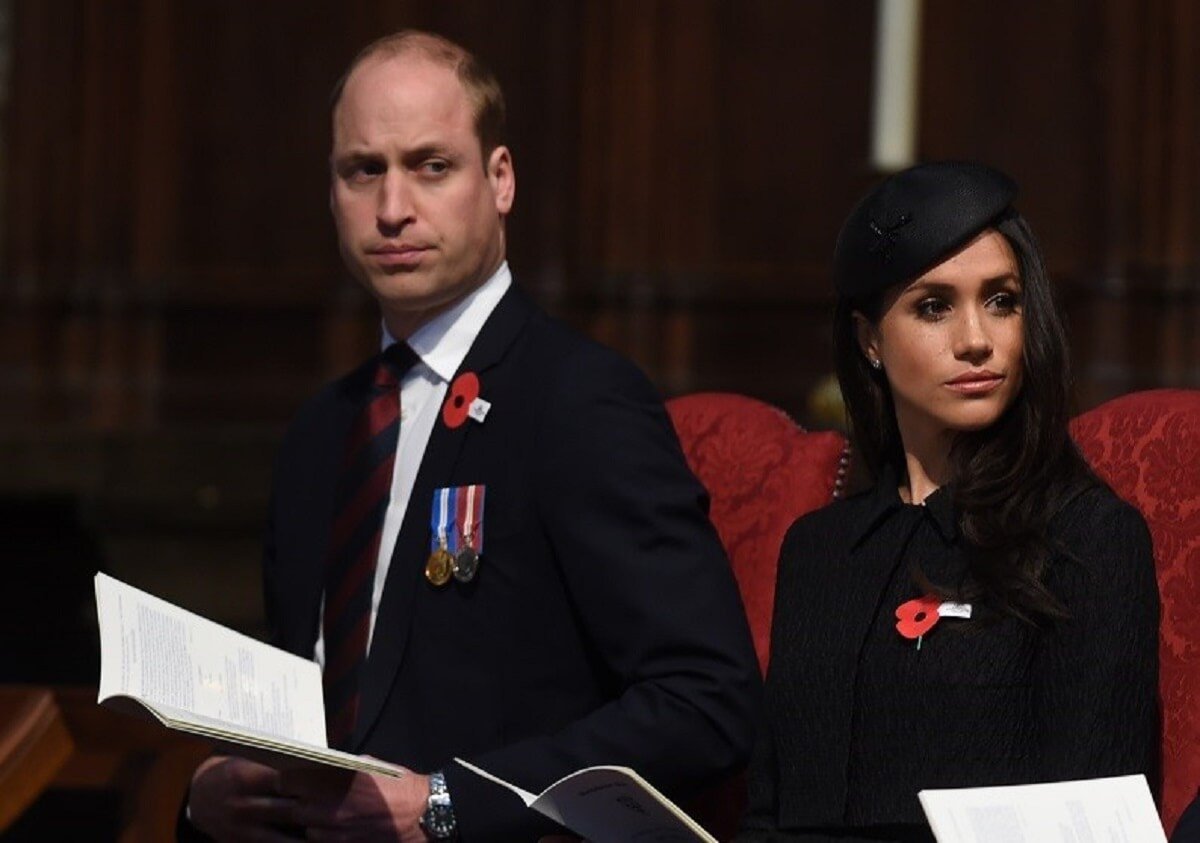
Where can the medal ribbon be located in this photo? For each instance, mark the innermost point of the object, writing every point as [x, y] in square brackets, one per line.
[452, 509]
[473, 518]
[443, 509]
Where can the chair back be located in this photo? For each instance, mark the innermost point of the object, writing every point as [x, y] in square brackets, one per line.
[762, 472]
[1146, 445]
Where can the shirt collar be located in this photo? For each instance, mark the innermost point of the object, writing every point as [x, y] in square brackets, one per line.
[885, 500]
[941, 510]
[443, 342]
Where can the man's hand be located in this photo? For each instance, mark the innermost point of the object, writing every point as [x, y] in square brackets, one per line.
[343, 806]
[233, 799]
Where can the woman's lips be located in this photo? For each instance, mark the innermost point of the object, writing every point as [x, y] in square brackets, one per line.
[975, 383]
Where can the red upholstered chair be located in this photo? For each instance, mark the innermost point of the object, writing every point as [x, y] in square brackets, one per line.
[1147, 446]
[762, 471]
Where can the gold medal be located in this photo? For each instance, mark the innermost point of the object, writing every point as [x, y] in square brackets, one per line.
[439, 567]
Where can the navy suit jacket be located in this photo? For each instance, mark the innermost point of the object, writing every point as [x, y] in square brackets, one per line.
[604, 625]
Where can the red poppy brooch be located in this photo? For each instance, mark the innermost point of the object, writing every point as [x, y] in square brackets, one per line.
[463, 401]
[917, 616]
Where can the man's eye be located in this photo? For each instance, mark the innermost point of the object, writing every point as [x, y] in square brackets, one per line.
[364, 171]
[436, 167]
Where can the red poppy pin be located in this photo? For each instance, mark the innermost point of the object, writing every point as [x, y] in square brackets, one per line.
[917, 617]
[464, 391]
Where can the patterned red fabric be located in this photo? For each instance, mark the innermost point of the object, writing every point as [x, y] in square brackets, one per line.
[1147, 446]
[762, 472]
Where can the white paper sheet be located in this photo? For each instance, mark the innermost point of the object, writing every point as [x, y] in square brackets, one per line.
[164, 654]
[1108, 810]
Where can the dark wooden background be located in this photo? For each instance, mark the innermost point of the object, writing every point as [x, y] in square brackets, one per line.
[171, 288]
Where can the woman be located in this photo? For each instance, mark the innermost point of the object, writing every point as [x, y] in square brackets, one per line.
[987, 613]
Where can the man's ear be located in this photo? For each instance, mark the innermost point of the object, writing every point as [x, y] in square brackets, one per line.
[868, 338]
[503, 179]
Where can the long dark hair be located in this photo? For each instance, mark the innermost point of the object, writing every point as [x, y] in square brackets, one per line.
[1007, 480]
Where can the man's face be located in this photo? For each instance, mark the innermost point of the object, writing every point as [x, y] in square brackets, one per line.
[420, 219]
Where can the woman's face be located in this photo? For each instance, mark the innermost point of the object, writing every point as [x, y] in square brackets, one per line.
[950, 342]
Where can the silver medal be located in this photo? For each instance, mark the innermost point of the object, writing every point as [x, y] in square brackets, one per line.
[466, 563]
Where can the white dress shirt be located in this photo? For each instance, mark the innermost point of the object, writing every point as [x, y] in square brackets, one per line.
[441, 344]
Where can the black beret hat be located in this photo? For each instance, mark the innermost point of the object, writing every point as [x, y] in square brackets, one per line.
[913, 220]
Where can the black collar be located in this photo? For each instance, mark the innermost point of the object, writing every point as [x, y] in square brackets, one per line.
[884, 499]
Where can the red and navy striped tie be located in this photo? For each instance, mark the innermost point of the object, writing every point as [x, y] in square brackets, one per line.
[364, 489]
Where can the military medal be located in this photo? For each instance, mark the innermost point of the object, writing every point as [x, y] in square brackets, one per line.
[440, 564]
[456, 534]
[466, 561]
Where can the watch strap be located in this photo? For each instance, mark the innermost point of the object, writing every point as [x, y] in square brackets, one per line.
[438, 820]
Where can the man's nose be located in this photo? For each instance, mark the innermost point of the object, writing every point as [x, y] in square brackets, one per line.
[395, 208]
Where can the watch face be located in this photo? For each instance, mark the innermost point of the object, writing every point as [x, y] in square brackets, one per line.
[438, 820]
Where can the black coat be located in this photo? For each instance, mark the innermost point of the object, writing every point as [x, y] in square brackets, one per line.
[604, 625]
[1188, 829]
[858, 719]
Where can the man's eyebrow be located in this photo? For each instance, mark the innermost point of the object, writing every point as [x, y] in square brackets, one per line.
[354, 156]
[427, 150]
[416, 155]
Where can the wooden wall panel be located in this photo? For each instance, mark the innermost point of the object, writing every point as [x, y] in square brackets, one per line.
[1094, 110]
[717, 137]
[678, 161]
[646, 161]
[1022, 92]
[683, 167]
[794, 99]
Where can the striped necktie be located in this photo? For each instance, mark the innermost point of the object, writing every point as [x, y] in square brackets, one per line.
[363, 492]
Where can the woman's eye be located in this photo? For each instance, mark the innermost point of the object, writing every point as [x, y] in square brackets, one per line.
[1005, 302]
[932, 309]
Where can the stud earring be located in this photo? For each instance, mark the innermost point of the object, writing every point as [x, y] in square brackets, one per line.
[876, 363]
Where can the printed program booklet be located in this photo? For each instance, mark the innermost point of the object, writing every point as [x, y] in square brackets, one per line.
[1113, 810]
[196, 676]
[608, 805]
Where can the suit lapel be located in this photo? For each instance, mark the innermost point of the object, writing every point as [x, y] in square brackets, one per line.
[406, 575]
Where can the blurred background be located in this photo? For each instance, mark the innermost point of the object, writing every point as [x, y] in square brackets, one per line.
[171, 290]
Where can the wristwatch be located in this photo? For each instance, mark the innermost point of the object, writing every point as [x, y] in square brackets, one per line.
[438, 819]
